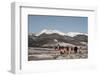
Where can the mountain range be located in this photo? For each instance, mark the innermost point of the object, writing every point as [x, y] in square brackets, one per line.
[48, 38]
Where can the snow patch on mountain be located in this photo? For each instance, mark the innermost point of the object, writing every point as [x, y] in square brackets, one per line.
[72, 34]
[49, 31]
[46, 31]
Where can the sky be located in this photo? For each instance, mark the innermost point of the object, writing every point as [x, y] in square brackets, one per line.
[37, 23]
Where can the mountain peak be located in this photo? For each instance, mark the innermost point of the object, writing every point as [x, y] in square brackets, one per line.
[50, 31]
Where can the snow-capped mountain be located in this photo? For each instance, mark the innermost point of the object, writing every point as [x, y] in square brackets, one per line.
[51, 37]
[49, 31]
[72, 34]
[46, 31]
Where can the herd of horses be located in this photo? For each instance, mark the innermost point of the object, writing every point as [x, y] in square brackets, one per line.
[68, 49]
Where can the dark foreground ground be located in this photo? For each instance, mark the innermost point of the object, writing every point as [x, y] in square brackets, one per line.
[51, 54]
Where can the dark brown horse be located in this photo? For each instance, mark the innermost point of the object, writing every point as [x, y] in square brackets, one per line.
[75, 49]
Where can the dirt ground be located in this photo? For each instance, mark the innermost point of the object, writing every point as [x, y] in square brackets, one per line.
[51, 54]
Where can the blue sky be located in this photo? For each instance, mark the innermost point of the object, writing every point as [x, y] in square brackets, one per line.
[36, 23]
